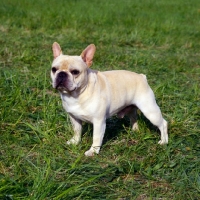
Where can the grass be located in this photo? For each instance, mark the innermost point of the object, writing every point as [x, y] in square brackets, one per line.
[157, 38]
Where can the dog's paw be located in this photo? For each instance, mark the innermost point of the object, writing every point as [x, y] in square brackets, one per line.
[162, 142]
[135, 127]
[73, 141]
[92, 151]
[89, 153]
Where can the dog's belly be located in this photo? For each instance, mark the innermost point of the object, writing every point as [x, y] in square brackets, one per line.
[123, 110]
[96, 109]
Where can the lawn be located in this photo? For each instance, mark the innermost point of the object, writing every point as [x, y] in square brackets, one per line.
[159, 38]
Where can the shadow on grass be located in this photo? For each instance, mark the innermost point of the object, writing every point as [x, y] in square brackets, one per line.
[116, 126]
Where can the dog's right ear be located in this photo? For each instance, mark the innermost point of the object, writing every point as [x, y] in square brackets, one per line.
[56, 50]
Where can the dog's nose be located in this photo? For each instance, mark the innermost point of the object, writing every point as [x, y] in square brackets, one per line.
[62, 76]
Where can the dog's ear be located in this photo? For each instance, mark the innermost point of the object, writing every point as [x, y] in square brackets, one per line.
[56, 50]
[88, 54]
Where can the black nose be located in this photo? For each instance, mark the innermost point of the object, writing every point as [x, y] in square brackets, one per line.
[62, 76]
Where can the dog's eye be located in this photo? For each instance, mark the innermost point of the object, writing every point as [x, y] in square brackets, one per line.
[54, 69]
[75, 72]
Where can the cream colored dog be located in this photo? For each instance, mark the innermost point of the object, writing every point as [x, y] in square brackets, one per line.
[93, 96]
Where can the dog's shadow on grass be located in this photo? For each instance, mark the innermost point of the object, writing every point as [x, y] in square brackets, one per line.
[115, 126]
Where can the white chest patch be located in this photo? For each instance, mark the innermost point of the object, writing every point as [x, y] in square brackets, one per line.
[72, 106]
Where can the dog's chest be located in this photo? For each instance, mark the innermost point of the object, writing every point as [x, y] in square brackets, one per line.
[72, 106]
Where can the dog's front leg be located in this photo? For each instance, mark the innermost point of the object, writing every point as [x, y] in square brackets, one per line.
[98, 134]
[77, 127]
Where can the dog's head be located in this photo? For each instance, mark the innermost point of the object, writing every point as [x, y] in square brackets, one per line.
[70, 73]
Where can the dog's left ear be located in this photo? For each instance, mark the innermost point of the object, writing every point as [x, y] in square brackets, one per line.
[56, 50]
[88, 54]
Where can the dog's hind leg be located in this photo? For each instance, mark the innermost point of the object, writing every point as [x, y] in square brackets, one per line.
[150, 109]
[131, 112]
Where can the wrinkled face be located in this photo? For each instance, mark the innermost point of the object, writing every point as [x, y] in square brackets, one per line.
[68, 73]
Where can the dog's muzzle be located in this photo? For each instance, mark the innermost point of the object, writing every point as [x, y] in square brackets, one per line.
[63, 82]
[61, 79]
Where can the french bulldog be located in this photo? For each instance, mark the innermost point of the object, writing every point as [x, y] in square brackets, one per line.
[93, 96]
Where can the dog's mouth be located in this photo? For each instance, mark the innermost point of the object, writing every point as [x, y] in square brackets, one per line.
[60, 85]
[63, 83]
[66, 87]
[62, 88]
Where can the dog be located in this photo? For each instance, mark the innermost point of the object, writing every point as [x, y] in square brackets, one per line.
[93, 96]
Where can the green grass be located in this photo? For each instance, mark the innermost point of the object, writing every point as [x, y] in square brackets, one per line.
[158, 38]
